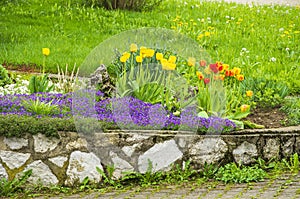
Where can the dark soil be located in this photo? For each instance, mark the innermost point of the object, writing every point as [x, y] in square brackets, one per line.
[268, 117]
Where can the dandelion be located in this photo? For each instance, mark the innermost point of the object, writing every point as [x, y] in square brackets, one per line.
[207, 34]
[191, 61]
[133, 48]
[200, 36]
[46, 51]
[273, 59]
[249, 93]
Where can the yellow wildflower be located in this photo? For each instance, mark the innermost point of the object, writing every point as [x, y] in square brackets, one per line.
[200, 36]
[46, 51]
[207, 34]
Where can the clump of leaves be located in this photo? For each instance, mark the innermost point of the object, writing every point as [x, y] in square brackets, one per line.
[4, 78]
[291, 107]
[8, 187]
[233, 173]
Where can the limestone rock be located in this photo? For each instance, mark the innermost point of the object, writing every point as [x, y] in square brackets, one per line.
[15, 143]
[246, 153]
[43, 143]
[120, 165]
[287, 148]
[128, 150]
[271, 149]
[83, 165]
[41, 173]
[101, 79]
[13, 159]
[3, 173]
[209, 150]
[161, 155]
[59, 160]
[79, 143]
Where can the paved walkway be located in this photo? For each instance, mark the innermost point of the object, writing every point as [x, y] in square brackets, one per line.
[286, 186]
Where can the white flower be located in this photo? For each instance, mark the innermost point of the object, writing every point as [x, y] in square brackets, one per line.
[273, 59]
[227, 17]
[281, 29]
[244, 49]
[232, 18]
[287, 49]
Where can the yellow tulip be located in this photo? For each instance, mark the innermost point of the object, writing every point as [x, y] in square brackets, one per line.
[133, 48]
[245, 107]
[46, 51]
[159, 56]
[139, 59]
[191, 61]
[249, 93]
[172, 59]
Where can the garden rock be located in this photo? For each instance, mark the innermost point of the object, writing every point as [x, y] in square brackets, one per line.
[161, 156]
[3, 173]
[41, 144]
[209, 150]
[58, 161]
[83, 165]
[40, 173]
[100, 79]
[13, 159]
[271, 149]
[120, 165]
[245, 153]
[16, 143]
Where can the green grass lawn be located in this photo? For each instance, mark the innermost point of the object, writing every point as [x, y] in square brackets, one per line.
[262, 40]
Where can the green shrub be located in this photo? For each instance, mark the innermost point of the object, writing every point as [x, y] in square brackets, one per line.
[18, 126]
[4, 78]
[137, 5]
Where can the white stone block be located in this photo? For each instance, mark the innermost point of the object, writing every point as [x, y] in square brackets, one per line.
[161, 155]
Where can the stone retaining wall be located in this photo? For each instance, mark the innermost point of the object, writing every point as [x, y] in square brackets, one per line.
[73, 156]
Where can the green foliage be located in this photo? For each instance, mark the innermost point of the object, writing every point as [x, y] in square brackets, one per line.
[107, 177]
[240, 174]
[39, 84]
[267, 92]
[293, 163]
[18, 126]
[41, 108]
[137, 5]
[4, 78]
[66, 82]
[8, 188]
[291, 107]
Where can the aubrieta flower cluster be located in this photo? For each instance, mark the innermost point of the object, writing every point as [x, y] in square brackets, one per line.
[126, 112]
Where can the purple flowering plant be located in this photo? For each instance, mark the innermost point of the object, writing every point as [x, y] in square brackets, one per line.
[125, 113]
